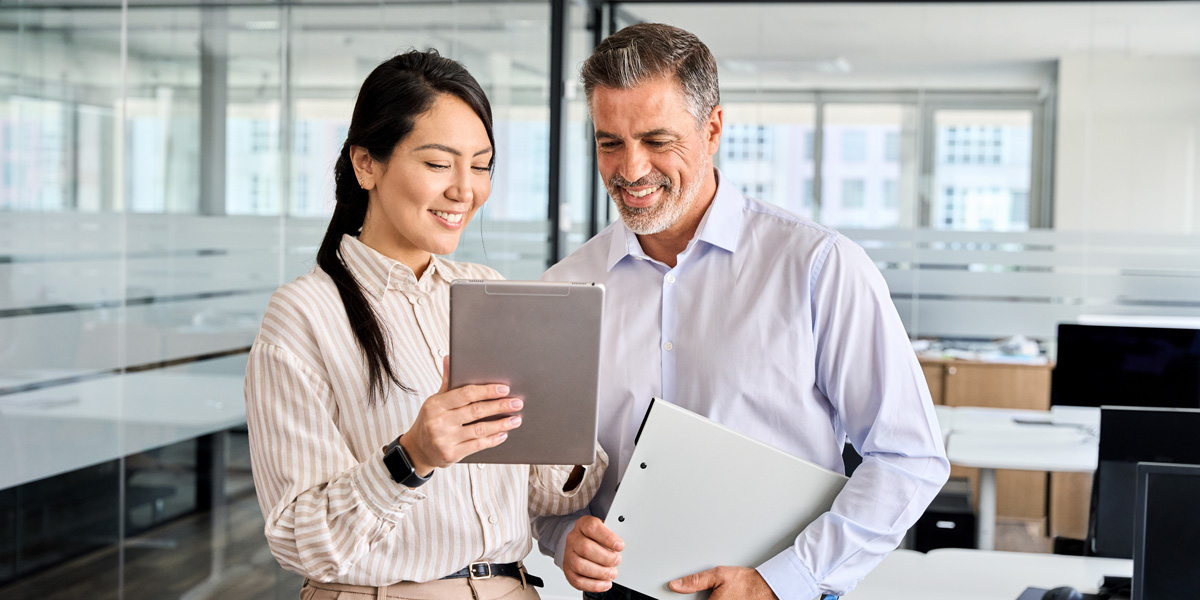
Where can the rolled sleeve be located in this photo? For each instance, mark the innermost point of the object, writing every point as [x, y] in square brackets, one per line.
[546, 495]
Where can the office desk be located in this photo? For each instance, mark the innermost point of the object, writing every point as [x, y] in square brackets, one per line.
[989, 439]
[59, 429]
[953, 574]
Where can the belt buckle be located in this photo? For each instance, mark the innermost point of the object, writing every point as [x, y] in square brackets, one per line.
[479, 570]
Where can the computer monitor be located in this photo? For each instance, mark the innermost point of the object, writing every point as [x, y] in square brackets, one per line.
[1166, 542]
[1115, 365]
[1129, 436]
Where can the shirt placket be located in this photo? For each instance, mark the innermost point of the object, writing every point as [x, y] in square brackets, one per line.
[422, 308]
[486, 510]
[667, 341]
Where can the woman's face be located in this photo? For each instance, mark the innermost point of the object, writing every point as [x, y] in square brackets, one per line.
[422, 198]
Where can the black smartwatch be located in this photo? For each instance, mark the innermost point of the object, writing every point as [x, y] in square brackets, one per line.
[401, 468]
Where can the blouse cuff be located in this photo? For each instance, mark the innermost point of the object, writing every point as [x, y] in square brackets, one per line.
[385, 497]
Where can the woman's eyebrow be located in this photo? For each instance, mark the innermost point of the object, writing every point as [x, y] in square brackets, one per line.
[449, 149]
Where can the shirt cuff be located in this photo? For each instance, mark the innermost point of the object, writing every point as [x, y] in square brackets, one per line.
[789, 578]
[561, 550]
[385, 497]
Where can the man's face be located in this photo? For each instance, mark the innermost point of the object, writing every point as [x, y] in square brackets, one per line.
[652, 157]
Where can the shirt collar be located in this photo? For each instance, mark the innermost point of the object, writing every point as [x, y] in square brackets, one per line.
[719, 227]
[376, 272]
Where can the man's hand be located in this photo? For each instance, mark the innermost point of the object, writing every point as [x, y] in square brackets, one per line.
[726, 583]
[591, 556]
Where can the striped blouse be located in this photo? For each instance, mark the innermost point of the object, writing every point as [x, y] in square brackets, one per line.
[333, 512]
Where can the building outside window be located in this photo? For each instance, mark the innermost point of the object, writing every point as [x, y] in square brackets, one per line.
[853, 194]
[854, 146]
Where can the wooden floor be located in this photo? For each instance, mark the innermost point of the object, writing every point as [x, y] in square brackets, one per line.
[220, 554]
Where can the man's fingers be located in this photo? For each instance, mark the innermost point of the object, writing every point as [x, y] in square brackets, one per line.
[704, 580]
[595, 529]
[586, 568]
[590, 559]
[585, 584]
[592, 552]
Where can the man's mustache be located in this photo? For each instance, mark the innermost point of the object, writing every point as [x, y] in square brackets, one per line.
[650, 180]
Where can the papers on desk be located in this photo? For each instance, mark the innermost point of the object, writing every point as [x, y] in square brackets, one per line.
[698, 495]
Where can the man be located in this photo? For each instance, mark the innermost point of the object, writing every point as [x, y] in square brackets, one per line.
[759, 319]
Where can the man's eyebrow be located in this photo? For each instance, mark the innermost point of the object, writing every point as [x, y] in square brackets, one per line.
[449, 149]
[654, 132]
[639, 135]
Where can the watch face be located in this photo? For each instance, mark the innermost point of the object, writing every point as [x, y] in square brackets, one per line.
[401, 469]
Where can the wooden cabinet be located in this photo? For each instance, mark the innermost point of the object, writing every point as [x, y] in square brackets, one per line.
[1070, 499]
[1019, 494]
[1060, 498]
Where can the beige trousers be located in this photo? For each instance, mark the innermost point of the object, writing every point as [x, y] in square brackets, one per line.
[495, 588]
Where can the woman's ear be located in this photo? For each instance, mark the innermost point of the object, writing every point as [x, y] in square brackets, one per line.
[364, 167]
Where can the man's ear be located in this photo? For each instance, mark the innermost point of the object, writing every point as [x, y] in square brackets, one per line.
[364, 167]
[712, 129]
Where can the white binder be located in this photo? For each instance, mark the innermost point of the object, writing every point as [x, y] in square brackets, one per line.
[698, 495]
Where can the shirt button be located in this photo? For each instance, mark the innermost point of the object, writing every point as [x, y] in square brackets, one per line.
[668, 346]
[670, 279]
[493, 520]
[421, 301]
[441, 352]
[480, 466]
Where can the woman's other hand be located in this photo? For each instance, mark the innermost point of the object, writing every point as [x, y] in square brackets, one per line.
[449, 426]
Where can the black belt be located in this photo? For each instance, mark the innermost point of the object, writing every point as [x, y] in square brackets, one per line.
[486, 570]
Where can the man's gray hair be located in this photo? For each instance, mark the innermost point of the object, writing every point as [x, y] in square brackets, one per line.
[645, 51]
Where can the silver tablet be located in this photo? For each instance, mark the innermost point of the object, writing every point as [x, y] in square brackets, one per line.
[542, 339]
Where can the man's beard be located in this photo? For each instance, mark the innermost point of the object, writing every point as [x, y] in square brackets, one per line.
[660, 217]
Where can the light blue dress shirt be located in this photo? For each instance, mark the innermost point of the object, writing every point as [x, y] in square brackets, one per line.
[783, 330]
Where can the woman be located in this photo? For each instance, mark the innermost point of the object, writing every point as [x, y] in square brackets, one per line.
[355, 438]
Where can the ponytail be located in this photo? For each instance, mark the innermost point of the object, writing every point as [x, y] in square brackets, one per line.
[348, 215]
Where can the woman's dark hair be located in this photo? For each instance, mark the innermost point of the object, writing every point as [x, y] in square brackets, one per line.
[397, 92]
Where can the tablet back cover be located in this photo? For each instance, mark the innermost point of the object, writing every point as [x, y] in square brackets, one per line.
[542, 339]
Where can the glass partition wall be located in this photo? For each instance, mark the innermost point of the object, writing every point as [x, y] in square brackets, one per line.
[165, 166]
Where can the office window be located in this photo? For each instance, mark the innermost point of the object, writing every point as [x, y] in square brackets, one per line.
[854, 146]
[891, 146]
[987, 156]
[891, 194]
[810, 138]
[747, 143]
[853, 193]
[302, 135]
[260, 136]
